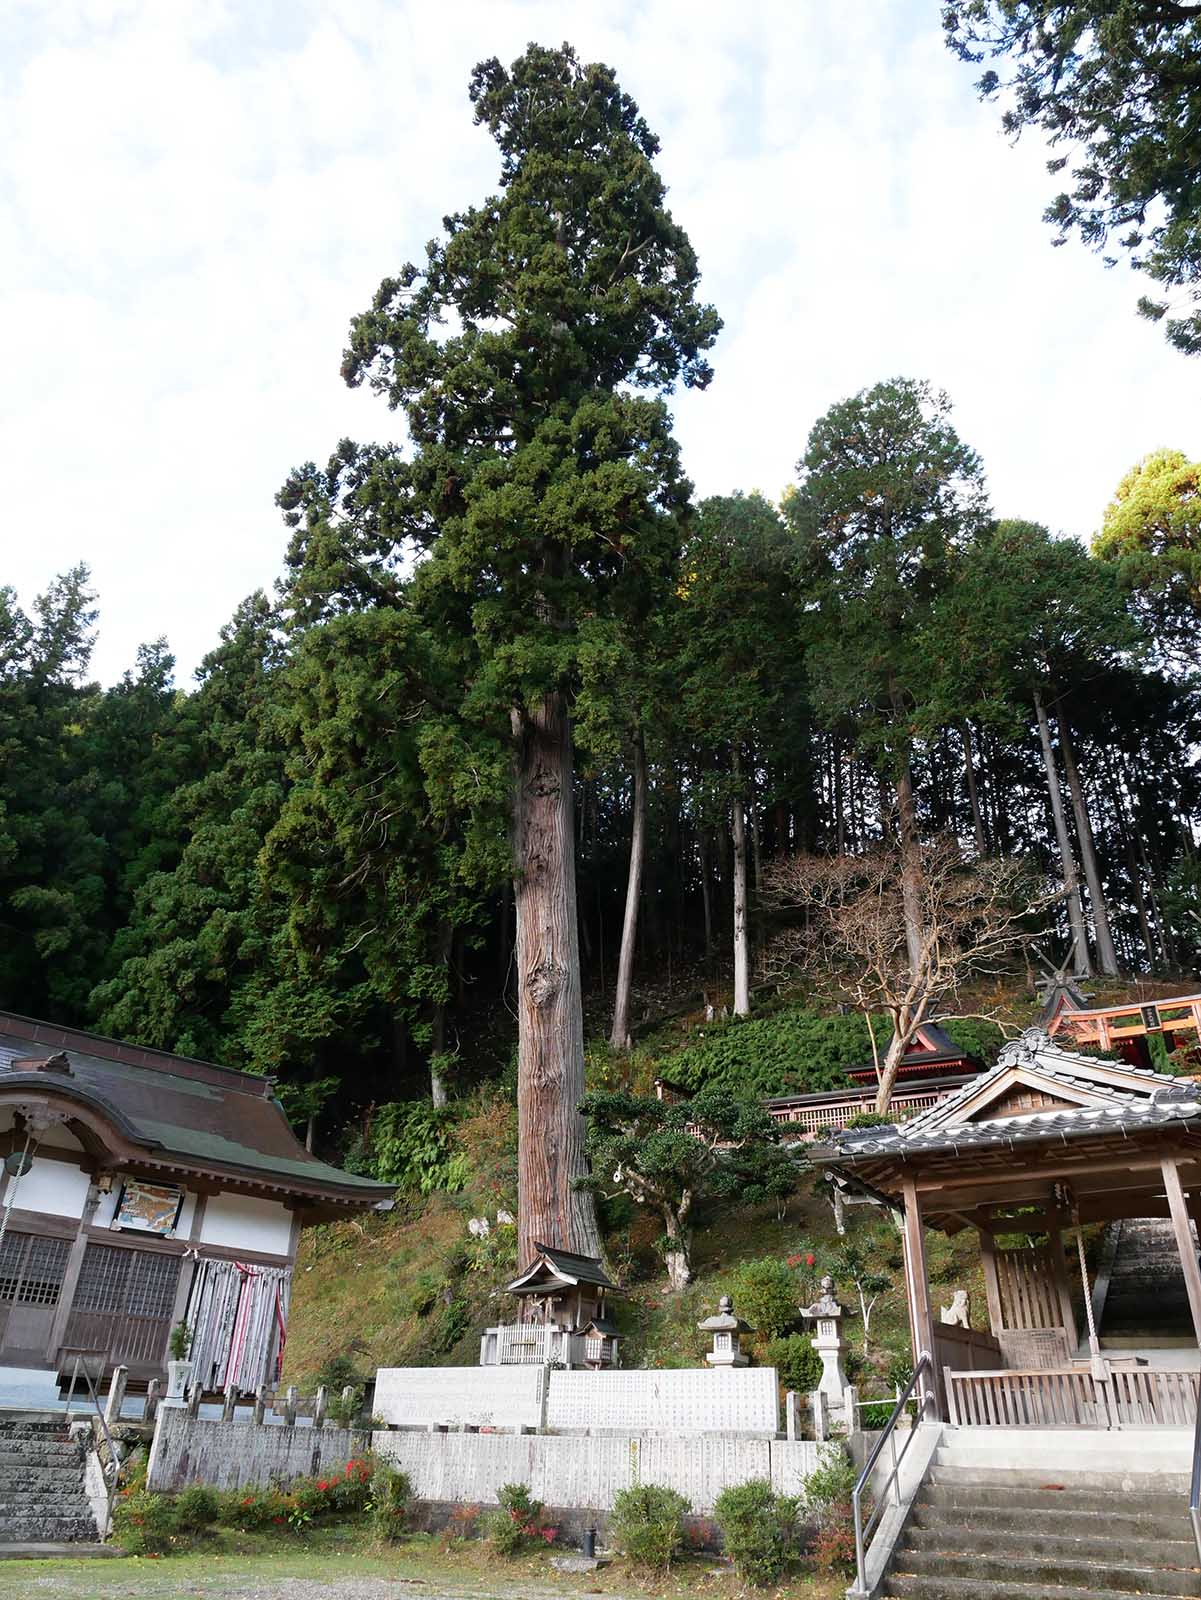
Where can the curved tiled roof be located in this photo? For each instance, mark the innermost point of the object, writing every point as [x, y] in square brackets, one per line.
[197, 1114]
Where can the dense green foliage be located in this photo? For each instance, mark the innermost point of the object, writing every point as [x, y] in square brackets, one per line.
[301, 863]
[1117, 86]
[647, 1524]
[759, 1530]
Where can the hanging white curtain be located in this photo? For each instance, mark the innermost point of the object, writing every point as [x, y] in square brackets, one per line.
[238, 1315]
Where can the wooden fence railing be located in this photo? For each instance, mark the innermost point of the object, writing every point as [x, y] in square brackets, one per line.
[1071, 1397]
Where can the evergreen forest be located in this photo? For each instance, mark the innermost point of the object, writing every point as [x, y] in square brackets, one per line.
[516, 661]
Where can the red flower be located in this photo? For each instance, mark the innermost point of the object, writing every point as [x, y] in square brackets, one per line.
[322, 1485]
[811, 1260]
[277, 1519]
[794, 1261]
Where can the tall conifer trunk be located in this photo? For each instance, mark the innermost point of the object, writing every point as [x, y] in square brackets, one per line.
[550, 1051]
[911, 867]
[619, 1038]
[1071, 883]
[742, 975]
[973, 793]
[1107, 956]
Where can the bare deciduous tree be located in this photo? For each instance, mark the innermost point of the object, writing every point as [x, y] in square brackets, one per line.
[850, 939]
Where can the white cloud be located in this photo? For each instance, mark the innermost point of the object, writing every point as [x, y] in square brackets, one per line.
[195, 198]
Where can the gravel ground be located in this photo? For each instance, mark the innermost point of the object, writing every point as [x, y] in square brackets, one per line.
[159, 1583]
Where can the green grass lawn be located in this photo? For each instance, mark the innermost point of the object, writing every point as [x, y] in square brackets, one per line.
[336, 1562]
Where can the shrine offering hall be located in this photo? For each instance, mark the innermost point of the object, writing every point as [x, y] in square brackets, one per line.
[140, 1189]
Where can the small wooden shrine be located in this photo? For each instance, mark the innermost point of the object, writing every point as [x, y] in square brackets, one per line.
[562, 1318]
[1045, 1143]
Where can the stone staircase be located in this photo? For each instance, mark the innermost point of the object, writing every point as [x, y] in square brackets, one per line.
[1146, 1303]
[42, 1499]
[1089, 1516]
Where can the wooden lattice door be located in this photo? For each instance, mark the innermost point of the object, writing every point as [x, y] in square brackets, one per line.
[31, 1280]
[123, 1304]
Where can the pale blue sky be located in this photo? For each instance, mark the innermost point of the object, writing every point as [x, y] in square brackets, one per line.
[196, 196]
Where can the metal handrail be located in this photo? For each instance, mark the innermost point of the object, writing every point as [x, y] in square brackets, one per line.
[925, 1364]
[1194, 1494]
[113, 1464]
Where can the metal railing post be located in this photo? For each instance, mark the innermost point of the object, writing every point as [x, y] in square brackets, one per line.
[919, 1381]
[1194, 1497]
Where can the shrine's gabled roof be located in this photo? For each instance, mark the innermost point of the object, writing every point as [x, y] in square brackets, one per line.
[551, 1265]
[1071, 1096]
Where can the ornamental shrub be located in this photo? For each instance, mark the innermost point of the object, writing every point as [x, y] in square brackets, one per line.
[759, 1530]
[516, 1522]
[797, 1363]
[197, 1508]
[250, 1508]
[647, 1524]
[145, 1523]
[833, 1481]
[767, 1294]
[793, 1050]
[390, 1502]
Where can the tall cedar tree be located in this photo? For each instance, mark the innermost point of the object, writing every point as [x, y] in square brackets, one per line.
[736, 660]
[888, 495]
[1118, 84]
[1029, 617]
[1152, 534]
[529, 355]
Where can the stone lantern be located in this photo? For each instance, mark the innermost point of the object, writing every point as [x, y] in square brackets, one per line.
[726, 1329]
[829, 1343]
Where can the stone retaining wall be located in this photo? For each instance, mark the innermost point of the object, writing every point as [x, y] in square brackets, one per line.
[563, 1470]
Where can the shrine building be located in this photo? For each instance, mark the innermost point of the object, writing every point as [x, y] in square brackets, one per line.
[140, 1189]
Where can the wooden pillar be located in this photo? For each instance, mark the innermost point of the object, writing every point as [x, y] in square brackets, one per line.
[918, 1287]
[1178, 1207]
[1059, 1276]
[992, 1287]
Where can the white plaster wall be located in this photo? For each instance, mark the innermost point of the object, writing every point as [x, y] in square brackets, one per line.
[55, 1187]
[245, 1223]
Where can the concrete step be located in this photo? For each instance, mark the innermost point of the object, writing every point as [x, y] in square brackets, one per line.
[42, 1530]
[1006, 1519]
[1002, 1486]
[1052, 1572]
[1099, 1545]
[62, 1550]
[922, 1586]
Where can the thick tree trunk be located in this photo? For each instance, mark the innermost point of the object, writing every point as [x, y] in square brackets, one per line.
[893, 1056]
[550, 1027]
[677, 1255]
[1106, 954]
[973, 794]
[742, 975]
[619, 1038]
[446, 937]
[1071, 883]
[911, 869]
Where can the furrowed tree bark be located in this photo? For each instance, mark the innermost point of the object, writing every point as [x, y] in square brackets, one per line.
[742, 975]
[1107, 956]
[550, 1027]
[619, 1038]
[1071, 883]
